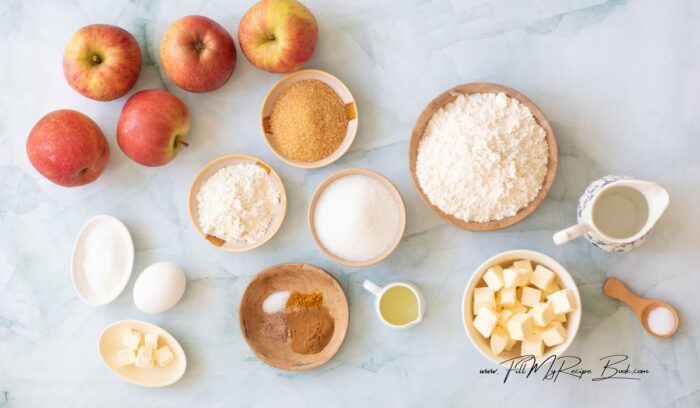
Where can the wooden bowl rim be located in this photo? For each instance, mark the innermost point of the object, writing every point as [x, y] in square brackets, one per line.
[278, 183]
[265, 359]
[322, 187]
[474, 88]
[340, 151]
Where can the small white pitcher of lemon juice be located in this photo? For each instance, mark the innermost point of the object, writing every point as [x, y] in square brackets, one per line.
[617, 213]
[399, 305]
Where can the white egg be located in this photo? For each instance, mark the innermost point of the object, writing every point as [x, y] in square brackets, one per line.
[159, 287]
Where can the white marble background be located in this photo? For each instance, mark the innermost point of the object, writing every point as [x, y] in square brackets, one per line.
[620, 82]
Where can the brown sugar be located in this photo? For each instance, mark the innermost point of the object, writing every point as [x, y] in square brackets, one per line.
[308, 121]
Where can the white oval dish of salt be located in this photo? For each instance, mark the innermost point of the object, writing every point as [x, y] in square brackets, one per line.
[103, 257]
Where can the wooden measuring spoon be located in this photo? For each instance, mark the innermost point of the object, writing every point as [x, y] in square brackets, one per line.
[642, 306]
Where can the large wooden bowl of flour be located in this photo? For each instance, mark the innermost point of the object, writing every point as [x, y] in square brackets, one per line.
[481, 88]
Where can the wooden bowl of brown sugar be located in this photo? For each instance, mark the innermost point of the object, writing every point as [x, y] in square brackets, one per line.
[255, 322]
[309, 118]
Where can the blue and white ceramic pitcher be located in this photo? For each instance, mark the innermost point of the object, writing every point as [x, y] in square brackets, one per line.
[617, 213]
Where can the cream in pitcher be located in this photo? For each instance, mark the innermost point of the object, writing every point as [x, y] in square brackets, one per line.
[616, 213]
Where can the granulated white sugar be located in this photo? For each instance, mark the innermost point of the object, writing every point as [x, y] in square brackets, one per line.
[357, 218]
[483, 157]
[238, 203]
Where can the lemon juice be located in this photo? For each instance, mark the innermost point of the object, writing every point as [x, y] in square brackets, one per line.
[399, 305]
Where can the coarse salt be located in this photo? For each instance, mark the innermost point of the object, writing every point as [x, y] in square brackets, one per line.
[661, 321]
[276, 302]
[483, 157]
[238, 203]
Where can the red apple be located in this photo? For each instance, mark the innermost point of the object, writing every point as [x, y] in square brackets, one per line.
[278, 35]
[152, 127]
[102, 62]
[197, 54]
[68, 148]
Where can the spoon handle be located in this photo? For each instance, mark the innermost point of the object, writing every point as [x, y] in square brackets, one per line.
[614, 288]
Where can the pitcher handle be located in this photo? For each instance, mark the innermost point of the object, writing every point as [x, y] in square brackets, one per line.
[370, 286]
[570, 233]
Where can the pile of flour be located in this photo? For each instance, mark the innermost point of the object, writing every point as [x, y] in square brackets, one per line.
[483, 157]
[238, 203]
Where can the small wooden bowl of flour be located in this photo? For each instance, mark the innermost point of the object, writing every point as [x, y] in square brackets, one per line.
[464, 202]
[266, 201]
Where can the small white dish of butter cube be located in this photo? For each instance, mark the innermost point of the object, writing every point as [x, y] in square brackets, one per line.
[142, 353]
[521, 303]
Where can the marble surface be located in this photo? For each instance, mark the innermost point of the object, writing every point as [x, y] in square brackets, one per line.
[620, 82]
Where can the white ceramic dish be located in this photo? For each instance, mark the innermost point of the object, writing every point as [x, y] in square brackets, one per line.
[342, 91]
[564, 279]
[80, 280]
[209, 170]
[111, 341]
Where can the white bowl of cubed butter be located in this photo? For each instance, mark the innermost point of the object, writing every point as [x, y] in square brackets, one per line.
[521, 303]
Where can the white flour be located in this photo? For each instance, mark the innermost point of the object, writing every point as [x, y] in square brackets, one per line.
[482, 157]
[238, 203]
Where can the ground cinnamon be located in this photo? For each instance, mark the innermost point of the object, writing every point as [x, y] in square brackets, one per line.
[310, 329]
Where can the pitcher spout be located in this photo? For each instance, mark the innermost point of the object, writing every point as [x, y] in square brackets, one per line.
[657, 198]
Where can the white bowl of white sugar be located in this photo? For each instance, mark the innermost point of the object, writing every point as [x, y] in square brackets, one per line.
[357, 217]
[237, 203]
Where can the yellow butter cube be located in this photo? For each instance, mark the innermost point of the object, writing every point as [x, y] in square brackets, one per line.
[523, 264]
[511, 343]
[554, 334]
[553, 287]
[519, 326]
[483, 297]
[486, 321]
[164, 356]
[499, 340]
[494, 278]
[125, 357]
[150, 340]
[518, 308]
[530, 296]
[144, 358]
[562, 301]
[506, 297]
[532, 346]
[542, 314]
[542, 277]
[132, 339]
[561, 318]
[513, 277]
[503, 317]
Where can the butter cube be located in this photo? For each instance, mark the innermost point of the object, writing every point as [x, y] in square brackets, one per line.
[144, 358]
[523, 264]
[506, 296]
[494, 278]
[554, 334]
[125, 357]
[532, 345]
[518, 308]
[519, 326]
[164, 356]
[132, 339]
[503, 317]
[499, 340]
[151, 341]
[486, 321]
[553, 287]
[561, 318]
[511, 343]
[530, 296]
[513, 277]
[483, 297]
[542, 277]
[542, 314]
[562, 301]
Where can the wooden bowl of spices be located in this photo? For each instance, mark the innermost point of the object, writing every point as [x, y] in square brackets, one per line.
[294, 316]
[357, 217]
[237, 202]
[309, 118]
[476, 202]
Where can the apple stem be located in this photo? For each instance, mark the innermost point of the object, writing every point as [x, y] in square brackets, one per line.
[184, 143]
